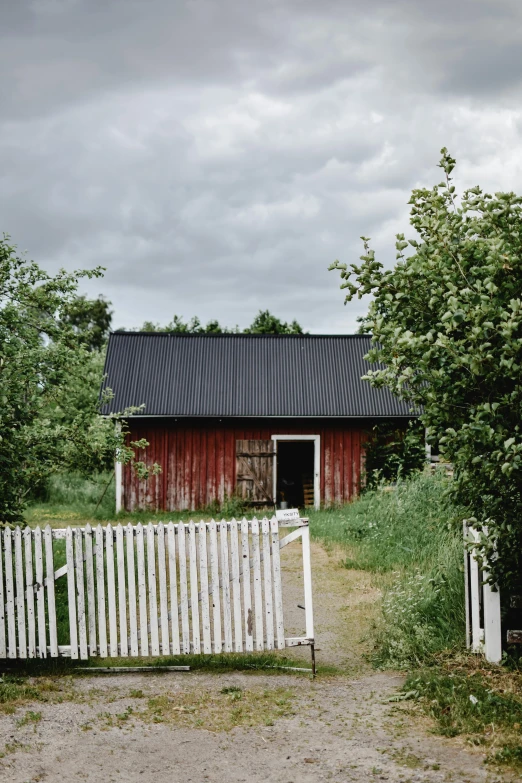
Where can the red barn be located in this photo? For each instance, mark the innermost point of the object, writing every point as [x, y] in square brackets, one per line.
[271, 418]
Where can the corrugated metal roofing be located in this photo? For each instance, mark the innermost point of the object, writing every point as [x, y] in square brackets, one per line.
[244, 375]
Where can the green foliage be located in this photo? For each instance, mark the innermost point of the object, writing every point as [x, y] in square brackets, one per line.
[471, 703]
[91, 320]
[447, 325]
[408, 536]
[266, 323]
[179, 326]
[394, 451]
[49, 380]
[263, 323]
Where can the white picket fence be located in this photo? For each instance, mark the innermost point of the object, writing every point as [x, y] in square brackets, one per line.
[483, 618]
[150, 590]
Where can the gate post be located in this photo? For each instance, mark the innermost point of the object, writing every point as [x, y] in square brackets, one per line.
[307, 575]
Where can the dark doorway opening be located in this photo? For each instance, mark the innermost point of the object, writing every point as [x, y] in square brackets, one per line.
[295, 473]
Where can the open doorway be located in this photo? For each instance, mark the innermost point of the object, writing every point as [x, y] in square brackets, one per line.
[296, 471]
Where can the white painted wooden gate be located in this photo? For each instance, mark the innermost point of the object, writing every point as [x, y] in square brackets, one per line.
[149, 590]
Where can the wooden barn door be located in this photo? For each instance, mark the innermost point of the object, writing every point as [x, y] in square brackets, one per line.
[254, 471]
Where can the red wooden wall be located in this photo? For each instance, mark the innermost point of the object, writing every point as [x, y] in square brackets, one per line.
[198, 458]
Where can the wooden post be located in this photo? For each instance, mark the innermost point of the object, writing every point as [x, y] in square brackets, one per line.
[492, 625]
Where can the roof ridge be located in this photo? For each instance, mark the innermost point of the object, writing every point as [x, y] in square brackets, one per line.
[230, 334]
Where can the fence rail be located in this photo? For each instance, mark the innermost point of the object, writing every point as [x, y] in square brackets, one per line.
[207, 587]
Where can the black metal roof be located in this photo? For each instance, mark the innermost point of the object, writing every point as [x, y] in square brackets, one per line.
[244, 375]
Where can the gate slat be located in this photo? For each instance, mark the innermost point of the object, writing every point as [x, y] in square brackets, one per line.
[51, 595]
[216, 602]
[80, 592]
[225, 581]
[173, 583]
[278, 587]
[122, 593]
[142, 589]
[258, 595]
[31, 619]
[40, 594]
[3, 648]
[236, 587]
[91, 601]
[10, 594]
[247, 594]
[164, 608]
[20, 598]
[267, 574]
[153, 600]
[100, 588]
[71, 592]
[131, 587]
[203, 582]
[194, 601]
[111, 592]
[183, 589]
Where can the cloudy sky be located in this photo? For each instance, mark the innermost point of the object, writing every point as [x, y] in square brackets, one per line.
[216, 155]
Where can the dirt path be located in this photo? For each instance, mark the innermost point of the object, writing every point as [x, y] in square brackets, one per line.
[236, 727]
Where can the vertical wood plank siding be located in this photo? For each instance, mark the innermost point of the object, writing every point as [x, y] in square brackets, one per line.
[198, 459]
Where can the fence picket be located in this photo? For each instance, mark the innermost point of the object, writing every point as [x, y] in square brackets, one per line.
[40, 595]
[71, 592]
[51, 596]
[216, 602]
[236, 587]
[153, 600]
[247, 594]
[29, 583]
[258, 596]
[122, 593]
[162, 574]
[80, 592]
[194, 601]
[131, 588]
[111, 591]
[3, 647]
[183, 589]
[100, 589]
[20, 598]
[269, 618]
[91, 600]
[278, 587]
[203, 583]
[173, 583]
[10, 594]
[225, 581]
[142, 589]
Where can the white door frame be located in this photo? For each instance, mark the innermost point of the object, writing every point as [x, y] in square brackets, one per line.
[317, 463]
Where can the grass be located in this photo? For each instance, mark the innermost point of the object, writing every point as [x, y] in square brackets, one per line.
[213, 711]
[408, 539]
[72, 499]
[466, 696]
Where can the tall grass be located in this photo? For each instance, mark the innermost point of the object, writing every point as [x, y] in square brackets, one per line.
[410, 539]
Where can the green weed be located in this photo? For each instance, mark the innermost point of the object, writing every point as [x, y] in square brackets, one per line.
[485, 705]
[408, 538]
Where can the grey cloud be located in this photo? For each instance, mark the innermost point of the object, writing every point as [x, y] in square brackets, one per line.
[216, 157]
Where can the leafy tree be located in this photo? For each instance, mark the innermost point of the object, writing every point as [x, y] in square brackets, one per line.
[179, 326]
[447, 325]
[266, 323]
[393, 452]
[263, 323]
[91, 320]
[42, 356]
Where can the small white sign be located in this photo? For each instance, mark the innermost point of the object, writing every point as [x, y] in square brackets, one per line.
[287, 514]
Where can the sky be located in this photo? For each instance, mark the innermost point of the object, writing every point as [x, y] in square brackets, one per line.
[215, 156]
